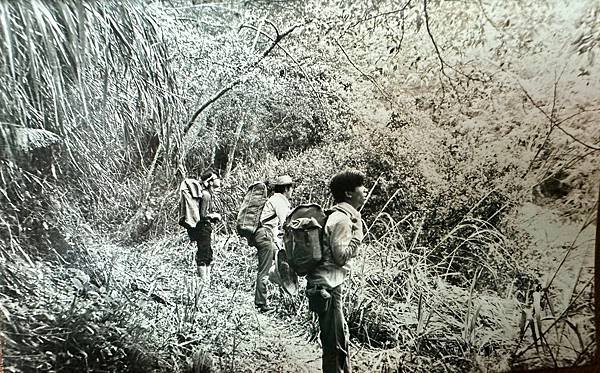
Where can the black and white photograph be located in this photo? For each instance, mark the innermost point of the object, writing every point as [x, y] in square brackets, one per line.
[394, 186]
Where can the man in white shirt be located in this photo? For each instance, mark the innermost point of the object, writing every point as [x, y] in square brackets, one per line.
[267, 238]
[342, 237]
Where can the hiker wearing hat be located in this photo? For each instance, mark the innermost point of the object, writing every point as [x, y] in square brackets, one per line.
[342, 236]
[268, 236]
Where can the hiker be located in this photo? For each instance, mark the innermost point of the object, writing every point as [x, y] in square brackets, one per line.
[267, 238]
[342, 236]
[200, 217]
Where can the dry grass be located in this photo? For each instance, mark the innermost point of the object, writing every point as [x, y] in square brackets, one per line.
[143, 309]
[405, 312]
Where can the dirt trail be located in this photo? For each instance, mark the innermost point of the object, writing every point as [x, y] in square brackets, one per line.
[220, 320]
[274, 345]
[264, 342]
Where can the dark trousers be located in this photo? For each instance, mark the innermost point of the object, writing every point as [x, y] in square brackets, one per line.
[263, 241]
[202, 235]
[335, 336]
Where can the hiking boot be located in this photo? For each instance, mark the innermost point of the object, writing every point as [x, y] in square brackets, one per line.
[262, 308]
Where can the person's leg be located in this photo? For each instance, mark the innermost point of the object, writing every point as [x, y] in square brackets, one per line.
[264, 247]
[343, 334]
[334, 335]
[204, 255]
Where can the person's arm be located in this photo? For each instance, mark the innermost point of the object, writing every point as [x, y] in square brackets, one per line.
[204, 202]
[345, 237]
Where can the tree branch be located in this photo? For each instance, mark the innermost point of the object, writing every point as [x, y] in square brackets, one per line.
[237, 81]
[274, 28]
[435, 46]
[443, 63]
[290, 56]
[401, 36]
[593, 147]
[553, 122]
[487, 17]
[369, 77]
[208, 103]
[583, 111]
[381, 15]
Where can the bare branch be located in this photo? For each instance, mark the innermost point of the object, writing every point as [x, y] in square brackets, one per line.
[553, 122]
[274, 27]
[443, 62]
[381, 15]
[208, 103]
[555, 94]
[237, 81]
[369, 77]
[583, 111]
[291, 57]
[593, 147]
[437, 50]
[487, 17]
[275, 42]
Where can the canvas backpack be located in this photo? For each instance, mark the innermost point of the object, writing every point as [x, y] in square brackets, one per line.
[303, 237]
[248, 218]
[190, 198]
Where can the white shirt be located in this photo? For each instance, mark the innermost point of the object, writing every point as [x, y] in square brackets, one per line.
[276, 211]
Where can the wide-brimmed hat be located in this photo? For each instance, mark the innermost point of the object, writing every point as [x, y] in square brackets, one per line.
[283, 180]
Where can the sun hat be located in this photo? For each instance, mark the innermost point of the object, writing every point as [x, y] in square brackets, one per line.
[283, 180]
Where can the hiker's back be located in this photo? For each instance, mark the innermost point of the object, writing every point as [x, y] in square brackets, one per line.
[190, 191]
[248, 218]
[336, 238]
[274, 213]
[303, 237]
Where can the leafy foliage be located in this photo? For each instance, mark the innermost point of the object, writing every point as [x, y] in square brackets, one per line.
[460, 116]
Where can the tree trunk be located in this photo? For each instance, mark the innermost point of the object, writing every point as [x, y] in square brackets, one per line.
[213, 141]
[231, 155]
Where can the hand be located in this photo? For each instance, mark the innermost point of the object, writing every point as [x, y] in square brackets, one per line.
[357, 230]
[214, 216]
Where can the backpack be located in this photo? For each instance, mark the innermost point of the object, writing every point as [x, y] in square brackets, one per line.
[248, 218]
[190, 198]
[303, 237]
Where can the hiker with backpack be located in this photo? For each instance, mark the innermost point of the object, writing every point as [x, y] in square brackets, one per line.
[260, 220]
[197, 216]
[341, 237]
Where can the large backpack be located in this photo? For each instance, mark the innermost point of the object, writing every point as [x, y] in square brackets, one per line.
[303, 237]
[190, 193]
[248, 218]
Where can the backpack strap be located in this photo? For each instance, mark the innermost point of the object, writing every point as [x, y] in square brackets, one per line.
[270, 217]
[328, 213]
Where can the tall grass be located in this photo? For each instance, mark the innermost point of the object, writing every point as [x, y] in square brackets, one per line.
[93, 79]
[451, 306]
[87, 106]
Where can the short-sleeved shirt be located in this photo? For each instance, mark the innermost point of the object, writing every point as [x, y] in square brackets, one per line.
[275, 212]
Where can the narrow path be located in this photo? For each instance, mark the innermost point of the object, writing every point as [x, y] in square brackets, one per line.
[264, 342]
[220, 321]
[176, 316]
[275, 345]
